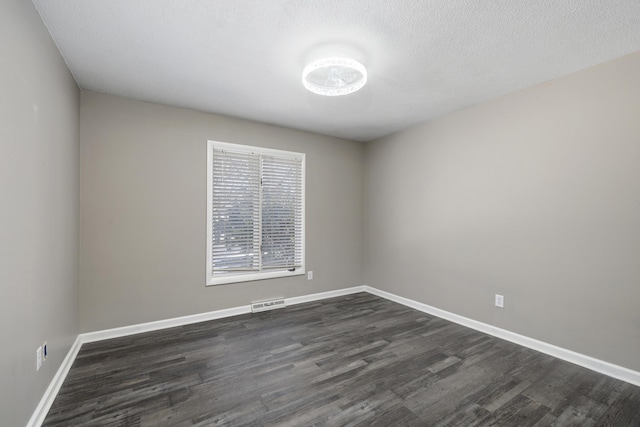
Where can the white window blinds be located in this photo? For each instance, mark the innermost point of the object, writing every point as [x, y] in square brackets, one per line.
[256, 203]
[281, 212]
[235, 212]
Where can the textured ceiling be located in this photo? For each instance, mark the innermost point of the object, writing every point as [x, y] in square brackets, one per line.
[244, 58]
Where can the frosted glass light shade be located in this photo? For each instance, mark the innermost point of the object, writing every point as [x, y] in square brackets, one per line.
[334, 76]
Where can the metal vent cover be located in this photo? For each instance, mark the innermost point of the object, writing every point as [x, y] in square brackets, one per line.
[273, 304]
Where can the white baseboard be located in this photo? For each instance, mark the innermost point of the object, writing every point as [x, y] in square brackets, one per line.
[162, 324]
[324, 295]
[606, 368]
[38, 416]
[203, 317]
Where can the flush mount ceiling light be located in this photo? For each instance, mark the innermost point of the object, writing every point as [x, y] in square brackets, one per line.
[334, 76]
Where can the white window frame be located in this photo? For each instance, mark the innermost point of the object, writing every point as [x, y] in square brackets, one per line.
[236, 277]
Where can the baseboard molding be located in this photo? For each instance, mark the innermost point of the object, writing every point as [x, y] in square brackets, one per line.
[203, 317]
[606, 368]
[54, 386]
[323, 295]
[162, 324]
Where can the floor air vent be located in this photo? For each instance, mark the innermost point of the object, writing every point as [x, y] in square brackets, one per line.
[267, 305]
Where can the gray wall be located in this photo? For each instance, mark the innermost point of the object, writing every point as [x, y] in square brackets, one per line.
[39, 121]
[535, 196]
[143, 212]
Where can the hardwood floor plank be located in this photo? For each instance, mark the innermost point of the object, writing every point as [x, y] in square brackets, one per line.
[504, 394]
[356, 360]
[470, 415]
[625, 410]
[397, 415]
[519, 411]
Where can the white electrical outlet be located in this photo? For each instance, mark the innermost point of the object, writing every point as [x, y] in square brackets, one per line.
[500, 301]
[310, 275]
[38, 358]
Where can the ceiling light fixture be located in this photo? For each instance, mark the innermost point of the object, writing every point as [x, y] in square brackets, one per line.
[334, 76]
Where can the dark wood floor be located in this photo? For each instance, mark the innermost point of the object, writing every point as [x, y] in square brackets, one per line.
[357, 360]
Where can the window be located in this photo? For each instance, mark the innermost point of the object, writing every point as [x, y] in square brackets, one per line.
[255, 213]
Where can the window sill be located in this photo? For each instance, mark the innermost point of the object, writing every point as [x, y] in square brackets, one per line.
[222, 279]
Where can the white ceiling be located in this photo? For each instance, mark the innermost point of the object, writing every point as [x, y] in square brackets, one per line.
[244, 58]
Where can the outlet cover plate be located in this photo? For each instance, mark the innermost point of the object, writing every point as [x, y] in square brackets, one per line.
[499, 300]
